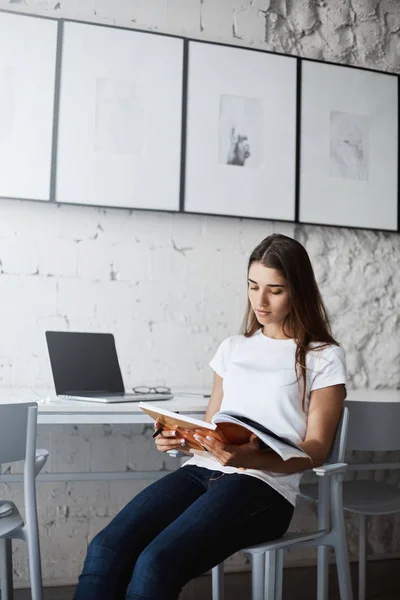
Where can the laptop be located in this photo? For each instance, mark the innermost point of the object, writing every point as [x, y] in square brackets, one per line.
[85, 367]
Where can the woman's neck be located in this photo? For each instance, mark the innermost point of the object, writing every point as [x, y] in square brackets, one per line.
[275, 332]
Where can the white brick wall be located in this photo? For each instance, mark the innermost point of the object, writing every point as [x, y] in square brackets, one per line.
[146, 276]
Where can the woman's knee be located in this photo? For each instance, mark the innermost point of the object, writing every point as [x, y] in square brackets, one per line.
[101, 557]
[101, 571]
[155, 575]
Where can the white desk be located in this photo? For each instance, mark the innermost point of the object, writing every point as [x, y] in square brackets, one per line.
[72, 412]
[52, 411]
[373, 395]
[69, 412]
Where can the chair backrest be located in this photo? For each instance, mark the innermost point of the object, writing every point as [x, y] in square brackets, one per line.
[17, 431]
[373, 426]
[338, 449]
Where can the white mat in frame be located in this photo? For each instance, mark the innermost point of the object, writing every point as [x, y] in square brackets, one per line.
[120, 118]
[241, 132]
[349, 147]
[28, 51]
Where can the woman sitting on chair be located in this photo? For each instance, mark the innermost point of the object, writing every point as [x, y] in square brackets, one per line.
[286, 371]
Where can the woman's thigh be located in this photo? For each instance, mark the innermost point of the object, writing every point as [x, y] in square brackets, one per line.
[236, 511]
[152, 510]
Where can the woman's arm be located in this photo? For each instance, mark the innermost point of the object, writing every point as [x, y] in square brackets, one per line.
[214, 403]
[324, 413]
[323, 417]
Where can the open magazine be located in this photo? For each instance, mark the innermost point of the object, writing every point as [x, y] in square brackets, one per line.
[227, 426]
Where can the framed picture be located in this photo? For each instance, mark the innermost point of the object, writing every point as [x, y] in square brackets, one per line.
[28, 52]
[240, 132]
[120, 118]
[349, 147]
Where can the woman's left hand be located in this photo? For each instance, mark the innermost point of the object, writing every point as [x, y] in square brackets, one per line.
[230, 455]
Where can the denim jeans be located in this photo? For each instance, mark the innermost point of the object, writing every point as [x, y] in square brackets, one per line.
[177, 528]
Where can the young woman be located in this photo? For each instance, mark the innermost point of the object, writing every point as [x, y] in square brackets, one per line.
[286, 371]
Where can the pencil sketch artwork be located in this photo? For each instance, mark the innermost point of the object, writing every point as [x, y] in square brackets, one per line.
[119, 118]
[240, 131]
[349, 146]
[7, 103]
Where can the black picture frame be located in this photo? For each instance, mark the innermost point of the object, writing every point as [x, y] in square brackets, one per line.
[27, 105]
[241, 107]
[349, 147]
[120, 117]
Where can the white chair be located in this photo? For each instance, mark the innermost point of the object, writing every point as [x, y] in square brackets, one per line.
[373, 426]
[267, 559]
[18, 424]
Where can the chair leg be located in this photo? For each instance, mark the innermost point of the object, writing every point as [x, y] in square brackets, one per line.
[35, 569]
[343, 571]
[258, 576]
[362, 557]
[6, 572]
[322, 572]
[217, 577]
[340, 543]
[279, 574]
[270, 575]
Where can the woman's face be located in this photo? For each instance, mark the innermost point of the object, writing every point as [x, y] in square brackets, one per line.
[268, 294]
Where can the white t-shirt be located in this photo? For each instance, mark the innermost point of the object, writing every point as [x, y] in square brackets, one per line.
[259, 380]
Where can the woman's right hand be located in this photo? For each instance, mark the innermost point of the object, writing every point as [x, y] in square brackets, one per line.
[170, 440]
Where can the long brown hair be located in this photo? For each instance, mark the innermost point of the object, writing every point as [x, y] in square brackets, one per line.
[307, 320]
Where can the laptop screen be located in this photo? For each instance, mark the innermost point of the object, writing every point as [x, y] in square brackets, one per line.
[84, 362]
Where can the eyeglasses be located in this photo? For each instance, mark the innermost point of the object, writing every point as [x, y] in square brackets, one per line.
[159, 389]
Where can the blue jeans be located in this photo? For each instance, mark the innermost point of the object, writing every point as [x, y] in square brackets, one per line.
[176, 529]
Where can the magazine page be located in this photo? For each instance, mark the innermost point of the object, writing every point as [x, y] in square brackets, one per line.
[283, 446]
[172, 420]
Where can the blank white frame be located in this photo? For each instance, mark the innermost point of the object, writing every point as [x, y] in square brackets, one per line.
[370, 98]
[266, 191]
[120, 118]
[28, 53]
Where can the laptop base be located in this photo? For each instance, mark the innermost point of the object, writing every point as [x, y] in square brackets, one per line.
[114, 399]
